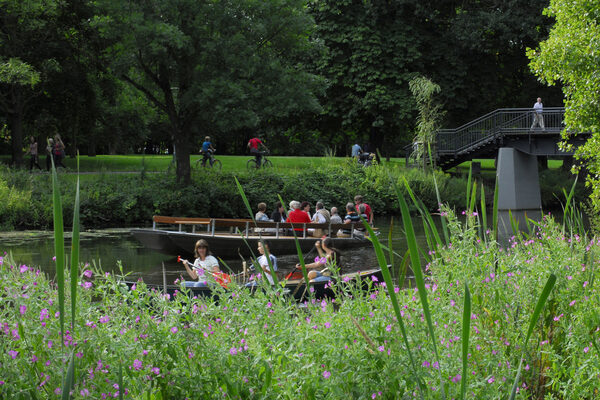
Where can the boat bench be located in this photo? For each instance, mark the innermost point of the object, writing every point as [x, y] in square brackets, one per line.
[248, 226]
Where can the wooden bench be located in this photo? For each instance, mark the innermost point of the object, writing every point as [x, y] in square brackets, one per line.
[248, 225]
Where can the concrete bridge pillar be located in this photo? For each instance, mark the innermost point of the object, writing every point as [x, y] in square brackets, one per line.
[518, 191]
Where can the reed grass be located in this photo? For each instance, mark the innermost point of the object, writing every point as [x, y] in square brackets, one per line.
[394, 300]
[59, 249]
[532, 322]
[465, 334]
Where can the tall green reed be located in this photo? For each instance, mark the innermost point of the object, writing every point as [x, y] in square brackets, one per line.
[59, 250]
[532, 322]
[387, 277]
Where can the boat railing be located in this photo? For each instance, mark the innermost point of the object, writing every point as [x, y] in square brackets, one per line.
[250, 226]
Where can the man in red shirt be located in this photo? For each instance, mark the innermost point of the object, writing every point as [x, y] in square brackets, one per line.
[253, 147]
[358, 200]
[297, 216]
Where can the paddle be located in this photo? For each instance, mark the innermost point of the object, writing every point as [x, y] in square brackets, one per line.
[221, 278]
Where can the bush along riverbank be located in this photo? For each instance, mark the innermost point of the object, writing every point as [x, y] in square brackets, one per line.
[122, 200]
[483, 322]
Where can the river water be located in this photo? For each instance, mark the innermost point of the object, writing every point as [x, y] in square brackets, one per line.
[107, 249]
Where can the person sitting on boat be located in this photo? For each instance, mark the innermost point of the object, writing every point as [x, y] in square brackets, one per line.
[329, 257]
[305, 206]
[335, 217]
[351, 216]
[321, 216]
[261, 215]
[263, 262]
[297, 216]
[279, 215]
[204, 264]
[358, 200]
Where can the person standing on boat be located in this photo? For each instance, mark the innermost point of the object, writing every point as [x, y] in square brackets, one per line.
[263, 262]
[204, 262]
[328, 257]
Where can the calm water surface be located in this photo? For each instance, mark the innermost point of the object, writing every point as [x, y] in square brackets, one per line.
[108, 249]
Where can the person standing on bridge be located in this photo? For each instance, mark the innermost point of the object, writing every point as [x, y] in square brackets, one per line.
[538, 118]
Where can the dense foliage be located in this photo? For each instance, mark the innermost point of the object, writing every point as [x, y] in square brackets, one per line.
[569, 57]
[138, 342]
[149, 76]
[117, 200]
[127, 200]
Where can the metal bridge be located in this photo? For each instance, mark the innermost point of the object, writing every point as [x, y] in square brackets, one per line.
[508, 135]
[505, 127]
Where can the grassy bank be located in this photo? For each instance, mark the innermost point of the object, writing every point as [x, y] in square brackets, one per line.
[112, 199]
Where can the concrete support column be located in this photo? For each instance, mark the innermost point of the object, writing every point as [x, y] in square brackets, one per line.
[518, 191]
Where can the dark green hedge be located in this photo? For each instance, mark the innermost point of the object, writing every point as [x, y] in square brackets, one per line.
[123, 200]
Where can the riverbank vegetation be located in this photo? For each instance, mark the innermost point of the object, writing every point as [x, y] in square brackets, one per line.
[125, 200]
[484, 321]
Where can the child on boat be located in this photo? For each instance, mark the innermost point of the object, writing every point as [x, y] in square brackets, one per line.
[263, 262]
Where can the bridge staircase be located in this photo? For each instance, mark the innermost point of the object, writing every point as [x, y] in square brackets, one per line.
[505, 127]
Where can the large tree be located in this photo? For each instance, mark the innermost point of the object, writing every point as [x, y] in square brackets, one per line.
[212, 65]
[571, 56]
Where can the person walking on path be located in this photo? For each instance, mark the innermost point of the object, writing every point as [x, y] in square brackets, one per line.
[33, 153]
[538, 118]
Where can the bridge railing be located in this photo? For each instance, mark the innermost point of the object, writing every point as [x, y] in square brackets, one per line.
[500, 122]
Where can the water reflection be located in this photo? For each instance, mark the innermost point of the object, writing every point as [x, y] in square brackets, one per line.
[106, 248]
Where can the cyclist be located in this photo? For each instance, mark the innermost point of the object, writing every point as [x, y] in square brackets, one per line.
[253, 146]
[207, 151]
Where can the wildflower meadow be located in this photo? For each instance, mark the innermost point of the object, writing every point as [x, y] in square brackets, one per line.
[478, 320]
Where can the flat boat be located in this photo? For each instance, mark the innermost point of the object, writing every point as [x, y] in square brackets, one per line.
[230, 237]
[294, 287]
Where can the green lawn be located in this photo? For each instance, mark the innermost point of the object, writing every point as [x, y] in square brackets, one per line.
[115, 163]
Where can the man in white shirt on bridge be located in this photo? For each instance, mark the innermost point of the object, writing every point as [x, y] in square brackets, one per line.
[537, 115]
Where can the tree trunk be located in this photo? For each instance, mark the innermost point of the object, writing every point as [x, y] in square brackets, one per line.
[182, 157]
[15, 123]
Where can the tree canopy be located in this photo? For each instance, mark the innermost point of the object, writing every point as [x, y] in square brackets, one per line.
[571, 56]
[211, 67]
[149, 75]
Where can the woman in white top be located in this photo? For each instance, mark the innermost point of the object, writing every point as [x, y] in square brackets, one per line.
[204, 263]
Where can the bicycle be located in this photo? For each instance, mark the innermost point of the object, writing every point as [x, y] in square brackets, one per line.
[252, 164]
[212, 162]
